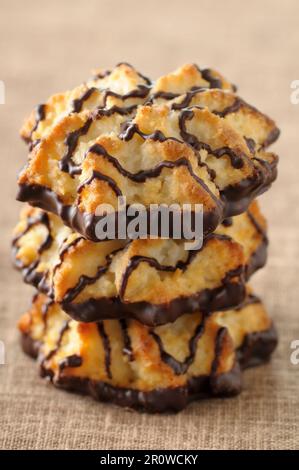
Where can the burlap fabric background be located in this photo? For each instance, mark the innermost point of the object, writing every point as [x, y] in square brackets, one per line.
[50, 46]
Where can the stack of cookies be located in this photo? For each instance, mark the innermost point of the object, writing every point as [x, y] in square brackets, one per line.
[145, 323]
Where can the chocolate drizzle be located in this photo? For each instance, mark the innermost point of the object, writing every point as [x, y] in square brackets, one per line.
[40, 115]
[250, 144]
[41, 218]
[256, 349]
[257, 226]
[236, 157]
[140, 92]
[52, 353]
[230, 292]
[143, 77]
[107, 348]
[228, 222]
[236, 105]
[142, 175]
[84, 222]
[220, 338]
[85, 280]
[234, 198]
[77, 103]
[45, 311]
[206, 73]
[127, 348]
[96, 175]
[179, 367]
[70, 361]
[66, 164]
[30, 274]
[135, 261]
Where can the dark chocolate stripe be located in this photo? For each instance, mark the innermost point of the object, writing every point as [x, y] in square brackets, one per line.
[250, 144]
[78, 103]
[256, 349]
[127, 349]
[63, 330]
[142, 175]
[85, 280]
[96, 175]
[177, 366]
[140, 92]
[236, 158]
[144, 77]
[206, 74]
[41, 218]
[101, 75]
[138, 259]
[40, 114]
[228, 222]
[167, 95]
[221, 334]
[257, 226]
[186, 102]
[30, 275]
[272, 137]
[45, 312]
[236, 199]
[66, 163]
[129, 128]
[70, 361]
[182, 265]
[107, 348]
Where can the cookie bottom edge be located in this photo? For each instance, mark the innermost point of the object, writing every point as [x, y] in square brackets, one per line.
[256, 349]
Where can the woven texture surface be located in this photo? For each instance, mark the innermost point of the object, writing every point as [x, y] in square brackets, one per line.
[49, 47]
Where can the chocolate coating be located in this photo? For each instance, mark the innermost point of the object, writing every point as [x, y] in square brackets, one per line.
[227, 295]
[256, 349]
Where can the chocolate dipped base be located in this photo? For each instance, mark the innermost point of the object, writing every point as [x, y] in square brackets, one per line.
[228, 295]
[255, 350]
[236, 200]
[37, 228]
[210, 300]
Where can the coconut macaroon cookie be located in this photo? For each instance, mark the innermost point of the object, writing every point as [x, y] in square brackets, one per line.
[154, 281]
[156, 369]
[185, 139]
[140, 232]
[121, 87]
